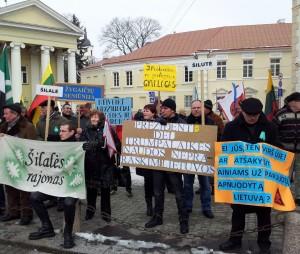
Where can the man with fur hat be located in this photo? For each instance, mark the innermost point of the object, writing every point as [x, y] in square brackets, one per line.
[168, 115]
[287, 120]
[18, 201]
[208, 106]
[250, 126]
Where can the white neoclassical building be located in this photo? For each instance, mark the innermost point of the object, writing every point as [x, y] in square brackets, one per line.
[37, 35]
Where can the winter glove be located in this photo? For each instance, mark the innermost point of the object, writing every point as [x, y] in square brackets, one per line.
[87, 146]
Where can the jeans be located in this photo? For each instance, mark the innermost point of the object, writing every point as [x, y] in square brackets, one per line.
[205, 191]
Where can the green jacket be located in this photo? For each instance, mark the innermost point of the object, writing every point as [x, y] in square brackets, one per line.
[54, 126]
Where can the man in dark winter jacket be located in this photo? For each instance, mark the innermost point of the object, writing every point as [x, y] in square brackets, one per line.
[168, 115]
[205, 190]
[18, 203]
[250, 126]
[67, 113]
[287, 120]
[67, 134]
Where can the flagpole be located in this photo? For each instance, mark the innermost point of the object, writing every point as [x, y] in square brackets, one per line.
[202, 97]
[47, 119]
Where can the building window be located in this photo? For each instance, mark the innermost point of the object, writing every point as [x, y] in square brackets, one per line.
[221, 69]
[129, 78]
[116, 79]
[248, 68]
[275, 66]
[188, 101]
[172, 98]
[24, 75]
[188, 75]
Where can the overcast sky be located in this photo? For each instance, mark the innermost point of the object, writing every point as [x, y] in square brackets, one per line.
[173, 15]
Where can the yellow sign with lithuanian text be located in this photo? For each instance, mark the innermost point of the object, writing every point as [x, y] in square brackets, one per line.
[159, 77]
[253, 174]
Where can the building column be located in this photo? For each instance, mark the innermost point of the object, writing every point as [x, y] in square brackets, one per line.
[296, 45]
[34, 69]
[16, 74]
[72, 66]
[60, 70]
[45, 58]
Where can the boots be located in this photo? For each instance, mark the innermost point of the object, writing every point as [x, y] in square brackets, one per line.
[90, 212]
[154, 221]
[184, 226]
[149, 211]
[44, 232]
[68, 238]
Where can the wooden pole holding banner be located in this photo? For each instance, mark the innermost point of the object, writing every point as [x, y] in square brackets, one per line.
[202, 97]
[158, 103]
[47, 118]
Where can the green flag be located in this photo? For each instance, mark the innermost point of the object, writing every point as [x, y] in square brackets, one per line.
[5, 83]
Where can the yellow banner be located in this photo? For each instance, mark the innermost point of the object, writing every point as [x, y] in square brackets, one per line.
[159, 77]
[253, 174]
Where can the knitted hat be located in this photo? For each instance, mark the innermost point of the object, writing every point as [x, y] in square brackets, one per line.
[14, 107]
[208, 104]
[292, 97]
[169, 103]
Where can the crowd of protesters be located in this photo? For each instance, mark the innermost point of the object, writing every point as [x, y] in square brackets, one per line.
[250, 125]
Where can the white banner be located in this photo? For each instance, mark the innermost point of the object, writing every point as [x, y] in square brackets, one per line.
[56, 168]
[53, 91]
[203, 64]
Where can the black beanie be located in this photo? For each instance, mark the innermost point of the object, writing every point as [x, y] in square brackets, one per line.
[169, 103]
[292, 97]
[208, 104]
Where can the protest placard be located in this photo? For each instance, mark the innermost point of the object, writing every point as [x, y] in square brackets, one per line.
[79, 92]
[53, 91]
[183, 148]
[117, 110]
[159, 77]
[253, 174]
[31, 165]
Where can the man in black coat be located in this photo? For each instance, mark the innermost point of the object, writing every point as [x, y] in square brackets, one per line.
[250, 126]
[168, 115]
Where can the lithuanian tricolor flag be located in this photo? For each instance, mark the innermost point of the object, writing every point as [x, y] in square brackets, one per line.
[34, 110]
[271, 105]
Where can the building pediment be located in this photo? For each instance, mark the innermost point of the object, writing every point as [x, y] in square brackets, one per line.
[35, 15]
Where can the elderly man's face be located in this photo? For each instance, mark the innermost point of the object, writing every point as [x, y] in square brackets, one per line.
[196, 108]
[294, 106]
[10, 115]
[250, 119]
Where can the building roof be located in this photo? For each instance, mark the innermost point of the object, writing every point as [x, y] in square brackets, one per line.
[229, 38]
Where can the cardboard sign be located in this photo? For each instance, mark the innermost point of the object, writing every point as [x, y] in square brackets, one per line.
[117, 110]
[253, 174]
[159, 77]
[78, 92]
[53, 91]
[203, 64]
[183, 148]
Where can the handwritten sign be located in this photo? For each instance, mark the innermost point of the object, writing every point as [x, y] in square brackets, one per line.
[80, 92]
[117, 110]
[159, 77]
[253, 174]
[53, 91]
[183, 148]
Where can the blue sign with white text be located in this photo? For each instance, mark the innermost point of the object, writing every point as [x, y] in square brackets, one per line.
[81, 93]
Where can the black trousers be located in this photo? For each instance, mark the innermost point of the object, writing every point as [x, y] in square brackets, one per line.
[104, 201]
[126, 172]
[37, 200]
[2, 197]
[263, 223]
[159, 179]
[148, 186]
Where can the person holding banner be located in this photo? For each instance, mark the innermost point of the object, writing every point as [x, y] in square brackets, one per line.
[18, 203]
[98, 165]
[149, 114]
[287, 120]
[205, 191]
[67, 134]
[253, 127]
[168, 115]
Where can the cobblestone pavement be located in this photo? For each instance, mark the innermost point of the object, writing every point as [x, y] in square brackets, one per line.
[128, 224]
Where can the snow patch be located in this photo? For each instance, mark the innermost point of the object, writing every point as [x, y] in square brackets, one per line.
[130, 244]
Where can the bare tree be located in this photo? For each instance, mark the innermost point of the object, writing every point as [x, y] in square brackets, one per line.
[126, 35]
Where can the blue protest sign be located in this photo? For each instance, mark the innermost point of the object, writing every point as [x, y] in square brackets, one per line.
[80, 92]
[117, 110]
